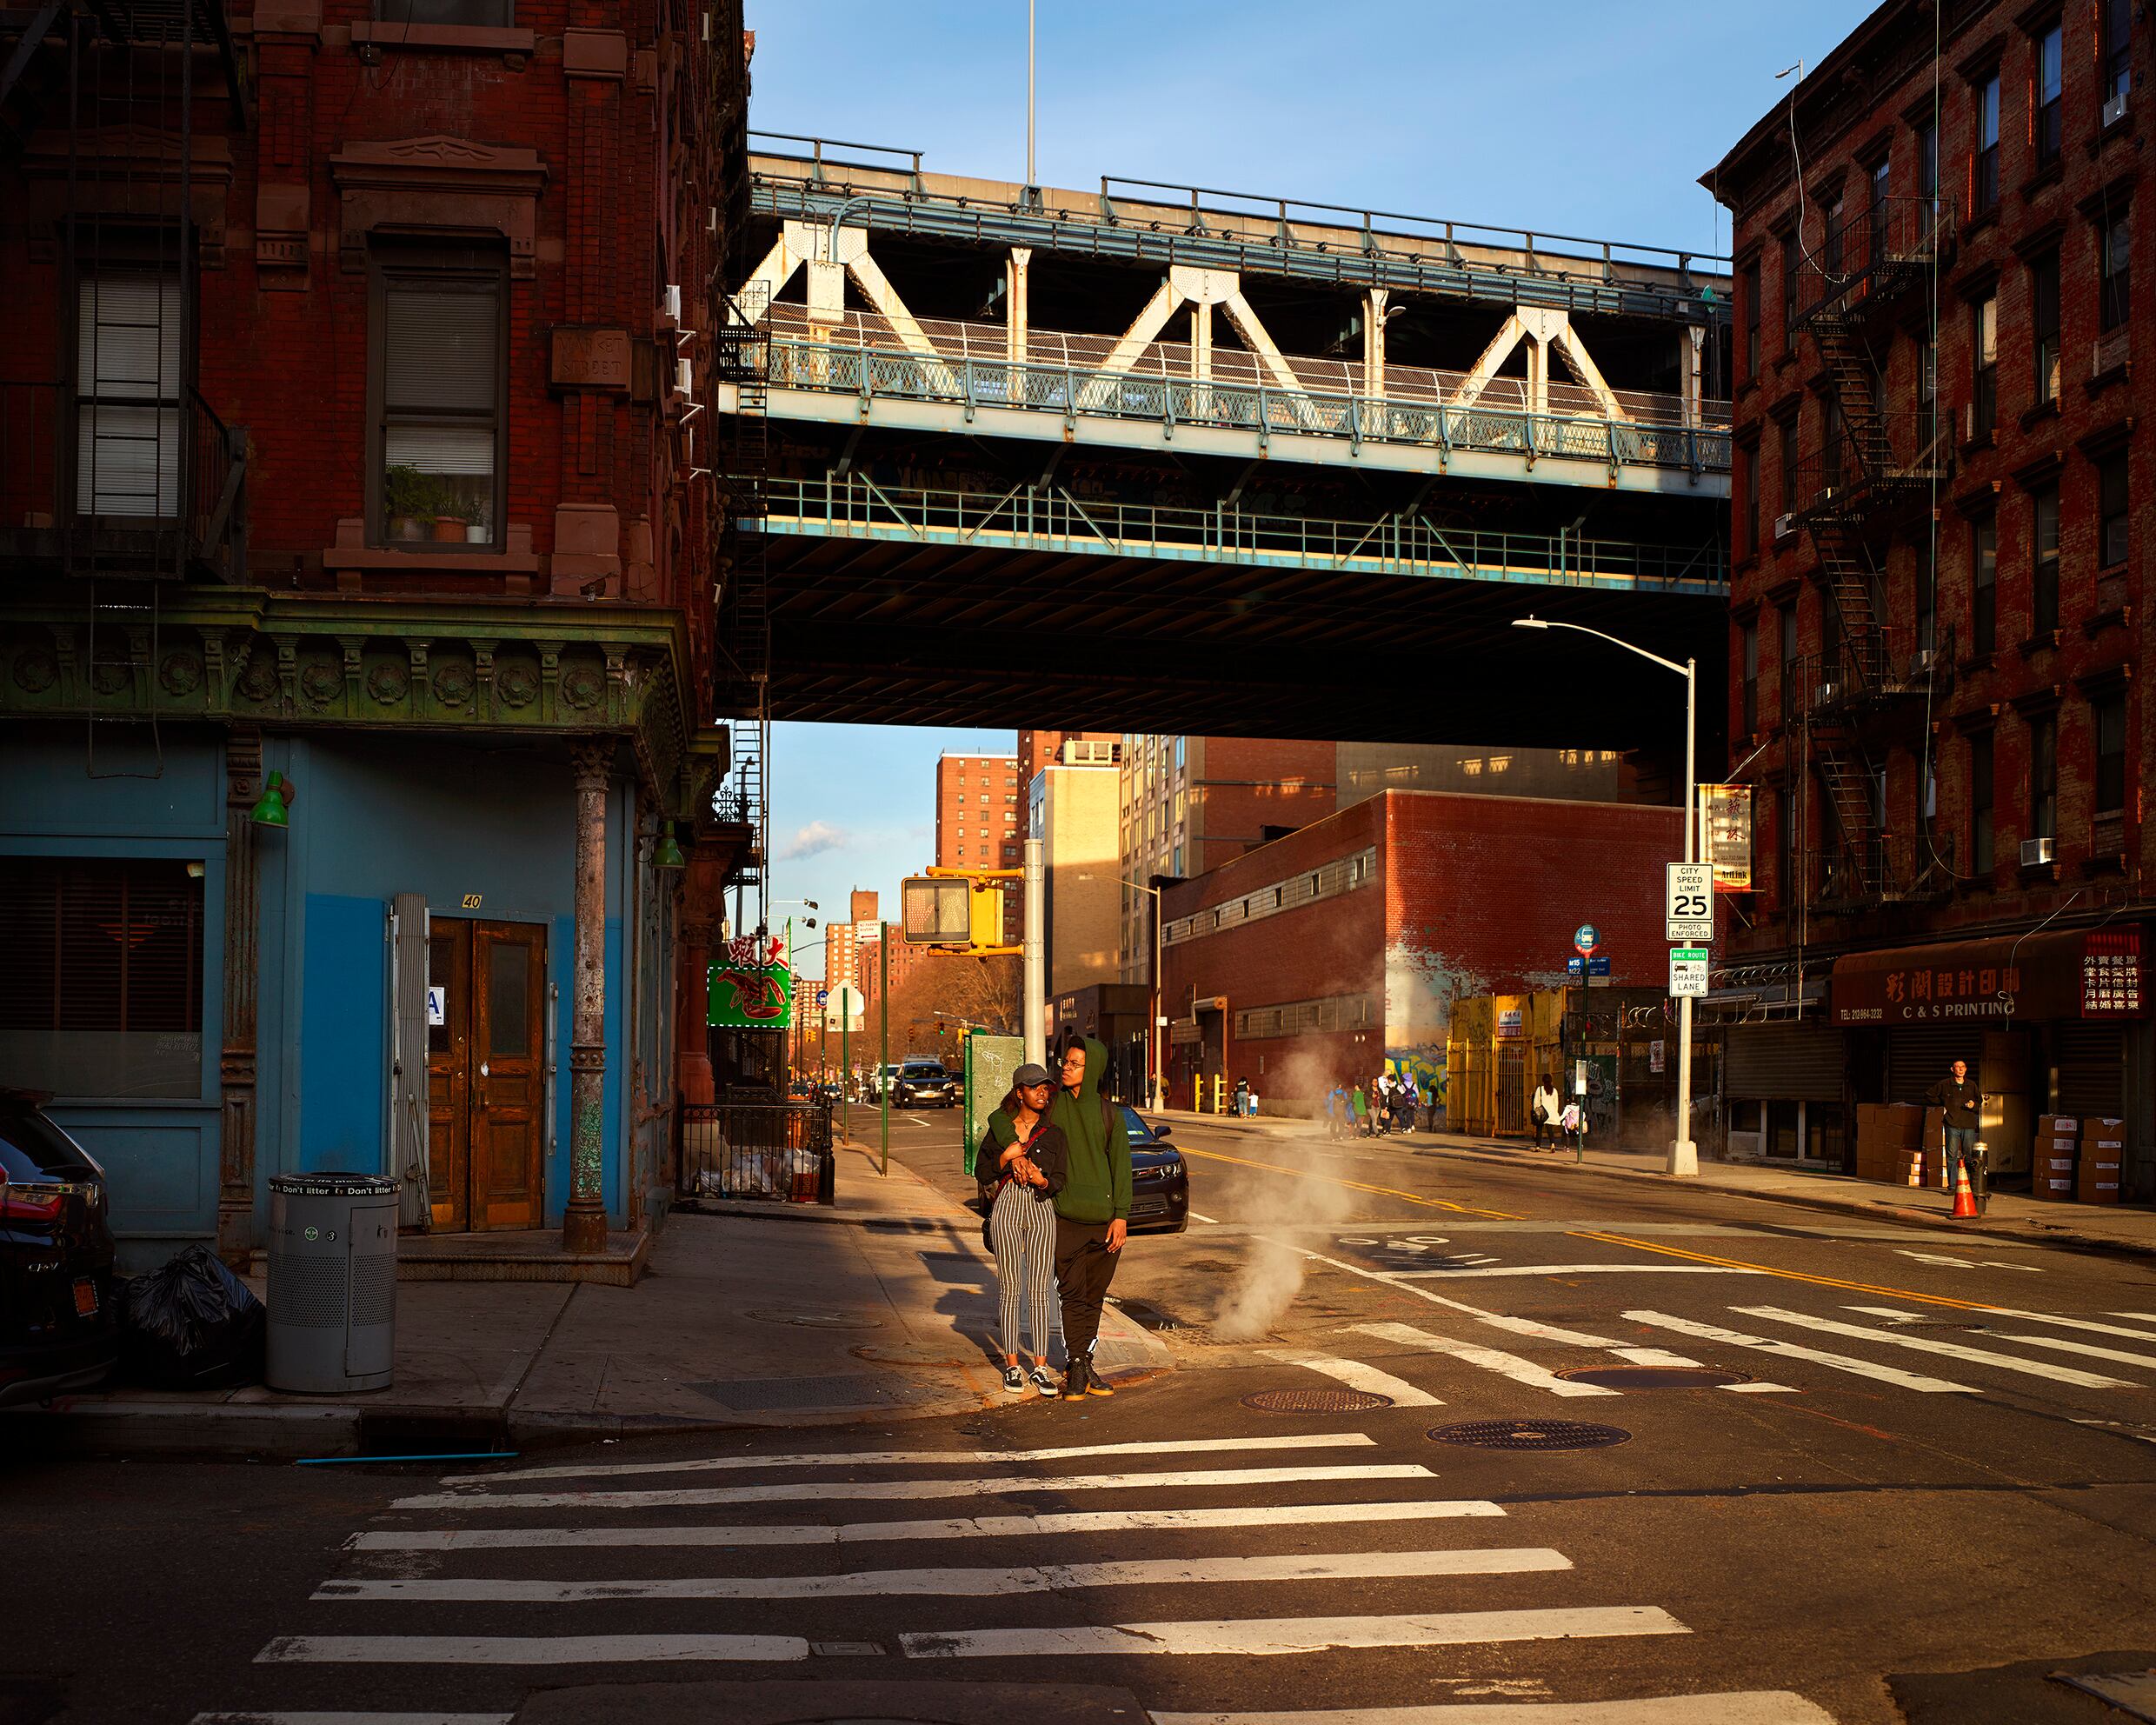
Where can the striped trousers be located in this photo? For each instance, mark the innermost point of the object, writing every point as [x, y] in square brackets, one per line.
[1023, 1228]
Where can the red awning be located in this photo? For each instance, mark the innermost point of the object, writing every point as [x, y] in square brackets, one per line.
[2073, 973]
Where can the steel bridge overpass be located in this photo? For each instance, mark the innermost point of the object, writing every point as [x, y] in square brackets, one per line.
[1273, 468]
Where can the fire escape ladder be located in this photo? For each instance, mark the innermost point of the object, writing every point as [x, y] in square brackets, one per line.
[1846, 575]
[1849, 363]
[1848, 779]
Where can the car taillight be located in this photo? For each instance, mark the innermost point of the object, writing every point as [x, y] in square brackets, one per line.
[30, 1203]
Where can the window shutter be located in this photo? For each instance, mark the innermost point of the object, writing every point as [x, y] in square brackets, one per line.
[443, 350]
[127, 338]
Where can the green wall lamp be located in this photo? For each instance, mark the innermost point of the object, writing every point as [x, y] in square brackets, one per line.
[667, 854]
[274, 806]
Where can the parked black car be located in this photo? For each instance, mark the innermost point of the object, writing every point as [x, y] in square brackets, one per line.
[1159, 1179]
[56, 1319]
[924, 1083]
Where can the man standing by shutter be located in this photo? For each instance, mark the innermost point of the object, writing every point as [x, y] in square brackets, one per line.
[1958, 1095]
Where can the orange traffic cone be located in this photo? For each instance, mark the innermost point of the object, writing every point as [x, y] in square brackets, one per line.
[1965, 1200]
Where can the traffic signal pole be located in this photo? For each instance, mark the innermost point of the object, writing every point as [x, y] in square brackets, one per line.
[883, 1012]
[1036, 983]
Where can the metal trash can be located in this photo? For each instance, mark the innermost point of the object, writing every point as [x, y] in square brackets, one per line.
[332, 1281]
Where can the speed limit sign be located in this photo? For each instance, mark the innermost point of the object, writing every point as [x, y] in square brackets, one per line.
[1689, 910]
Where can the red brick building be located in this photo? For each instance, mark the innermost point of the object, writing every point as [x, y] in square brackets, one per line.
[1309, 959]
[1941, 527]
[351, 439]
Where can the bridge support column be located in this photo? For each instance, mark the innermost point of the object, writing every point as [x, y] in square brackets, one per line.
[1689, 363]
[1015, 311]
[1374, 343]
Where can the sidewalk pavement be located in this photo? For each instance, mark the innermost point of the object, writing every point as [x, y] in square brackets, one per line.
[881, 1307]
[2122, 1230]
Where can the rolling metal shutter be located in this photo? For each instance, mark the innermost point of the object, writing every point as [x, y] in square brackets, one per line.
[2092, 1069]
[1919, 1056]
[1783, 1063]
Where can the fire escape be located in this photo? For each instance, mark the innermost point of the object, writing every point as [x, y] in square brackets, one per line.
[743, 357]
[116, 476]
[1873, 475]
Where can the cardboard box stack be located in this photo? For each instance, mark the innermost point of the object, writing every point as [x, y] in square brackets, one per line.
[1934, 1147]
[2103, 1154]
[1889, 1139]
[2053, 1158]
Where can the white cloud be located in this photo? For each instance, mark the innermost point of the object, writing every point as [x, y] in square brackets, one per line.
[813, 840]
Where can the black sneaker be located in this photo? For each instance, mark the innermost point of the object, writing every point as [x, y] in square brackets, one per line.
[1096, 1385]
[1044, 1380]
[1014, 1380]
[1074, 1380]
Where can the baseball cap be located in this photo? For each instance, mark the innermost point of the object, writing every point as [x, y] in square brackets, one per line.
[1031, 1073]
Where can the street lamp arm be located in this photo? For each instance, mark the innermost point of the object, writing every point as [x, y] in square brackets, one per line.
[1582, 628]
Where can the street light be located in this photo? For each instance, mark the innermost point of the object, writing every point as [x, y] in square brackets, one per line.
[1684, 1154]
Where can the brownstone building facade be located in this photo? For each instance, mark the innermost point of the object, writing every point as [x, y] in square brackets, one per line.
[1941, 525]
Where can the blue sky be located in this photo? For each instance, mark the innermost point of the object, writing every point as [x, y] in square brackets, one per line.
[1586, 116]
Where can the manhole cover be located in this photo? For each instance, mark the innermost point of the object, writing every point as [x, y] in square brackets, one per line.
[1316, 1401]
[820, 1319]
[1654, 1377]
[1530, 1435]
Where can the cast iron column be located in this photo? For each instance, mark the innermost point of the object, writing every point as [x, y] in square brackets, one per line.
[584, 1222]
[235, 1064]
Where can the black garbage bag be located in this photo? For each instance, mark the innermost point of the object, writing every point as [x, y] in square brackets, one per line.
[191, 1324]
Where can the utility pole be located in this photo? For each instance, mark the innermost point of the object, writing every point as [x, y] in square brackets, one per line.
[883, 1012]
[1684, 1154]
[1031, 181]
[1035, 984]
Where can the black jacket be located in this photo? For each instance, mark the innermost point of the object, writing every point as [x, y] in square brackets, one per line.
[1964, 1102]
[1048, 1148]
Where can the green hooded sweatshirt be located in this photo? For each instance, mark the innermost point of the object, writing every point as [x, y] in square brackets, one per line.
[1096, 1187]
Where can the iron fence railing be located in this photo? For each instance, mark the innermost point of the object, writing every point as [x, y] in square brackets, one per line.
[768, 1149]
[973, 384]
[855, 505]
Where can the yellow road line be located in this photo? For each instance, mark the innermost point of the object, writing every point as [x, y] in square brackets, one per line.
[1612, 1239]
[1380, 1191]
[1789, 1275]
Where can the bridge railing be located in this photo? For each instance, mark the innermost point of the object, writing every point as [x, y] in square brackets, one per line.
[853, 504]
[973, 384]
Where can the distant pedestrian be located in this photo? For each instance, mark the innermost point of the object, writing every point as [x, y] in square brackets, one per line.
[1380, 1104]
[1250, 1103]
[1334, 1100]
[1546, 1110]
[1019, 1178]
[1408, 1102]
[1574, 1120]
[1963, 1100]
[1243, 1096]
[1359, 1107]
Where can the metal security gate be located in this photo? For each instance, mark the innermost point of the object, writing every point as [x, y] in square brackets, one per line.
[1919, 1056]
[1783, 1063]
[755, 1149]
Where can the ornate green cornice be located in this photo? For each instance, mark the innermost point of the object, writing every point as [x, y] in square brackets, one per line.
[507, 667]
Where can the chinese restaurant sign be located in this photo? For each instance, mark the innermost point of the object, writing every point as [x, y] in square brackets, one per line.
[2095, 974]
[752, 988]
[1726, 835]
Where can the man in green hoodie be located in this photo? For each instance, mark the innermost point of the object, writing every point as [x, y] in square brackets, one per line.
[1093, 1210]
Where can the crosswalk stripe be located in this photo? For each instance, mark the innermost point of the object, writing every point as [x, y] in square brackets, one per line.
[1490, 1359]
[1766, 1344]
[1579, 1269]
[252, 1716]
[2058, 1345]
[1505, 1321]
[1761, 1707]
[526, 1649]
[1267, 1635]
[1661, 1357]
[826, 1490]
[2078, 1324]
[2144, 1317]
[969, 1584]
[1356, 1376]
[1925, 1344]
[878, 1533]
[923, 1458]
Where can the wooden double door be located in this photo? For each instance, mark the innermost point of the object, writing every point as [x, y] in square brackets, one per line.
[487, 1074]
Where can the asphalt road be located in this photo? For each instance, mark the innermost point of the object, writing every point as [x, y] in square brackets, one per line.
[1921, 1482]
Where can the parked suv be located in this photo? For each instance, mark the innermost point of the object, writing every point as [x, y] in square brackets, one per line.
[57, 1331]
[924, 1083]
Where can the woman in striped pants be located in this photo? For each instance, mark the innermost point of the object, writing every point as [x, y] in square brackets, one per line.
[1019, 1181]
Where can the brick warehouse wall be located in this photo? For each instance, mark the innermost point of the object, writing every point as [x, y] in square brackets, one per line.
[1867, 104]
[1471, 895]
